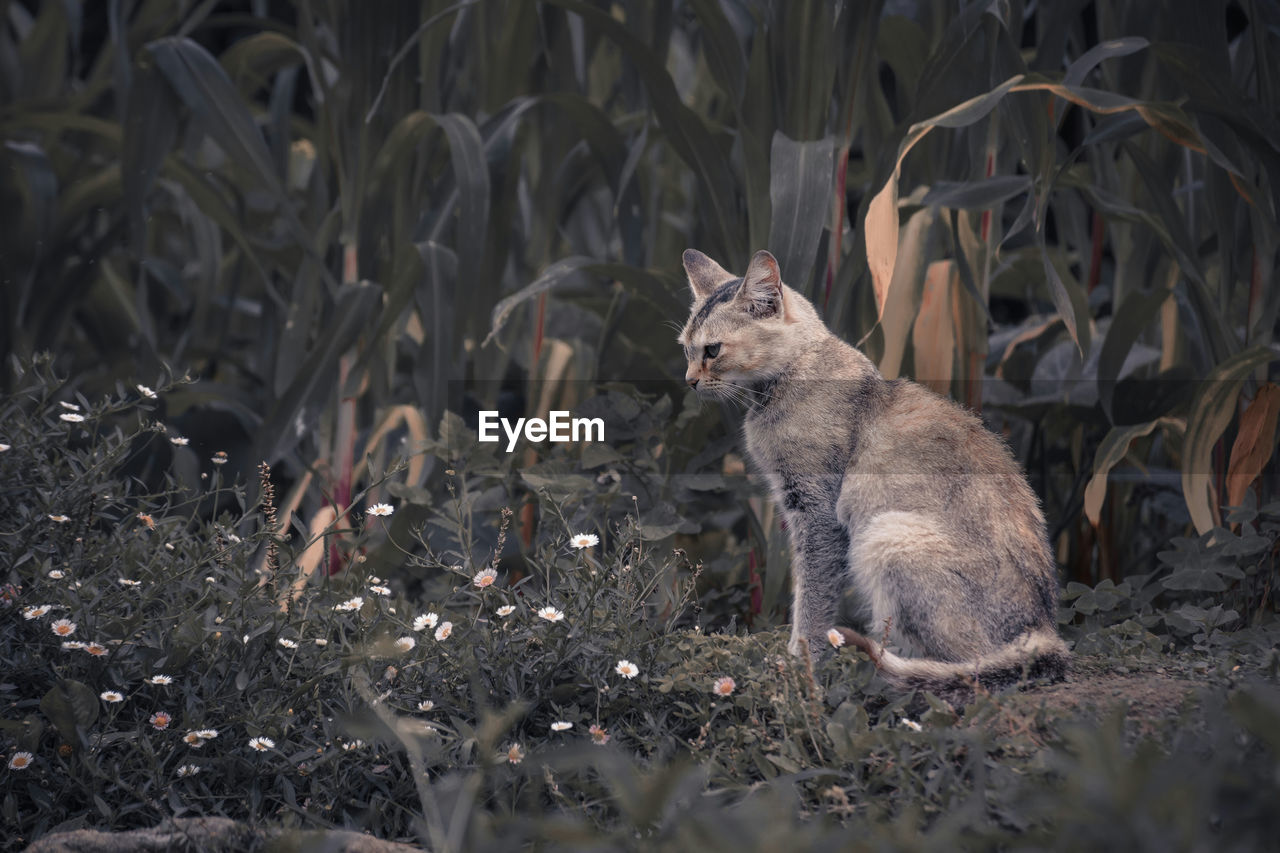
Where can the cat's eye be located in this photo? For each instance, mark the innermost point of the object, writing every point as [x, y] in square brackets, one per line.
[711, 351]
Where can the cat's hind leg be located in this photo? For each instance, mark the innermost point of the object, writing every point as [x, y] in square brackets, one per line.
[917, 580]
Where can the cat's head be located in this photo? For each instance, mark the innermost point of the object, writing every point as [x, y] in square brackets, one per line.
[741, 330]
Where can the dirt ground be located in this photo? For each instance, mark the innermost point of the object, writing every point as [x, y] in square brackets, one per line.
[1095, 687]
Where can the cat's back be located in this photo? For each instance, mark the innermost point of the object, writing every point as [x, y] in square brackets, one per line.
[925, 453]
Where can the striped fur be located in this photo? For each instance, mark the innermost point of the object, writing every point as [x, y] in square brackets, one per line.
[886, 487]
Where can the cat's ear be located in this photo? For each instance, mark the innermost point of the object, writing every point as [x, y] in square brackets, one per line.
[761, 289]
[705, 275]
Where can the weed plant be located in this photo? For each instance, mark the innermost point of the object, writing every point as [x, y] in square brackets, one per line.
[160, 659]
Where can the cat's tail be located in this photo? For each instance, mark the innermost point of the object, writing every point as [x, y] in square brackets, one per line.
[1037, 654]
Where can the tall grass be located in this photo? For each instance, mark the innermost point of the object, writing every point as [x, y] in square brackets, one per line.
[1062, 215]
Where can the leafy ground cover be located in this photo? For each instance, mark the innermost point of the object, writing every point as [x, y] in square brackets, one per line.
[161, 659]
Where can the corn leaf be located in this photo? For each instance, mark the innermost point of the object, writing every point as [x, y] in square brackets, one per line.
[1211, 411]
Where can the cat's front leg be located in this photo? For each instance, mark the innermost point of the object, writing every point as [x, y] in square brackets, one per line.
[819, 572]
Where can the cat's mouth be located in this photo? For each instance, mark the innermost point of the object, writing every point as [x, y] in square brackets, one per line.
[739, 392]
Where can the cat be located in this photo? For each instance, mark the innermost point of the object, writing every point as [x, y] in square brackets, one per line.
[884, 485]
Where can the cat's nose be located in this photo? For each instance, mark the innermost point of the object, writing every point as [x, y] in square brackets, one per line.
[693, 382]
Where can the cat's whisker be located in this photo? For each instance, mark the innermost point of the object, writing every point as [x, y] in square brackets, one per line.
[750, 395]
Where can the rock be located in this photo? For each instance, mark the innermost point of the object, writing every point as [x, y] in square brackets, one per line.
[212, 835]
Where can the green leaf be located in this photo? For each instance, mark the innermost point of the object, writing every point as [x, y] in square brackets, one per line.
[685, 129]
[1113, 448]
[977, 195]
[1134, 315]
[37, 183]
[1067, 295]
[1091, 58]
[435, 296]
[1211, 411]
[72, 708]
[471, 173]
[1173, 234]
[725, 56]
[556, 476]
[204, 87]
[253, 60]
[288, 418]
[551, 276]
[1194, 578]
[800, 187]
[150, 131]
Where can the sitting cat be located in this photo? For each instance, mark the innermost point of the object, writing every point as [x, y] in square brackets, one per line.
[883, 484]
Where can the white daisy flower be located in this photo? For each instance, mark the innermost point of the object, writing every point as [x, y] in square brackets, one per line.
[219, 458]
[425, 621]
[21, 761]
[835, 638]
[262, 744]
[584, 540]
[561, 726]
[426, 705]
[60, 519]
[188, 770]
[128, 582]
[380, 590]
[551, 614]
[724, 686]
[912, 724]
[193, 740]
[350, 604]
[72, 645]
[71, 407]
[321, 641]
[63, 627]
[406, 644]
[4, 447]
[206, 734]
[111, 696]
[180, 441]
[515, 754]
[443, 632]
[380, 509]
[485, 577]
[506, 610]
[57, 574]
[30, 613]
[160, 679]
[287, 643]
[71, 417]
[160, 720]
[626, 669]
[146, 392]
